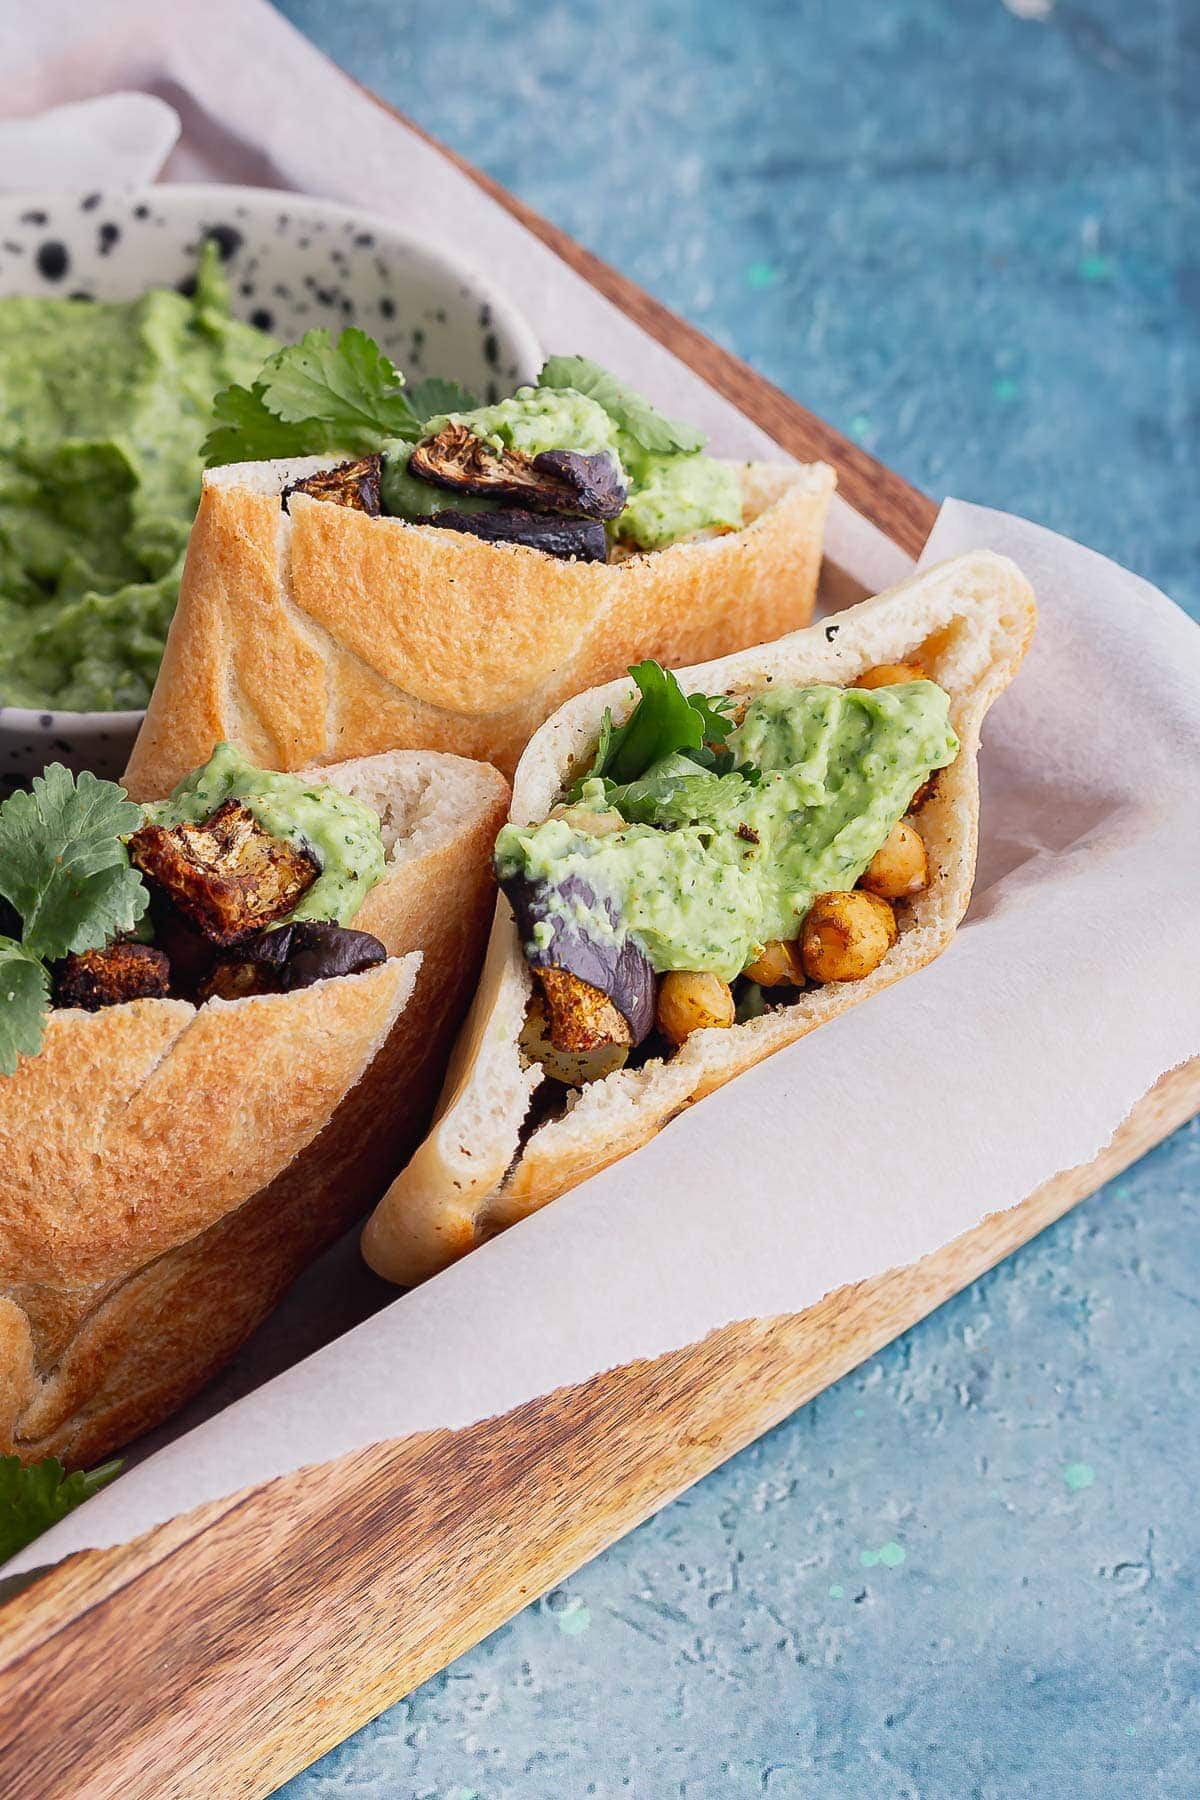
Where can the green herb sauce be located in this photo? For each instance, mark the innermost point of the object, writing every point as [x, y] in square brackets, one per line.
[342, 833]
[106, 405]
[670, 495]
[713, 867]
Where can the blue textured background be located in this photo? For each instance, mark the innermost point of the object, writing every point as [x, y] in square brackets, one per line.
[968, 236]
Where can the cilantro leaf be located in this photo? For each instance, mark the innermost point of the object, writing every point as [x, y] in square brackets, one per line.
[63, 865]
[24, 1004]
[664, 722]
[245, 431]
[352, 387]
[629, 411]
[35, 1496]
[435, 395]
[312, 397]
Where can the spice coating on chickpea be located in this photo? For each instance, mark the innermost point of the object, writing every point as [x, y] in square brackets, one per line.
[690, 1002]
[846, 936]
[900, 867]
[778, 964]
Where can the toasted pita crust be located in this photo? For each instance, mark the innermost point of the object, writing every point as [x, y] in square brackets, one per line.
[166, 1171]
[969, 621]
[323, 633]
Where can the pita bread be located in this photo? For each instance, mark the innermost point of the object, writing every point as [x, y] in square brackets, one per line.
[310, 636]
[167, 1170]
[968, 622]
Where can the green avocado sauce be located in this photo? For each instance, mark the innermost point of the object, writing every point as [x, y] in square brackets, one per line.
[670, 496]
[342, 833]
[106, 405]
[712, 867]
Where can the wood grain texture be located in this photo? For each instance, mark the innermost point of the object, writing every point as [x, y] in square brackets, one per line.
[327, 1595]
[226, 1650]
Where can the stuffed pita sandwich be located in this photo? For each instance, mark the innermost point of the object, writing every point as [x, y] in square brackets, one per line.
[698, 872]
[452, 587]
[225, 1019]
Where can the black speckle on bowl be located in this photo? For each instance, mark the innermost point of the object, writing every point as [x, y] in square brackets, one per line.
[107, 235]
[387, 307]
[90, 202]
[261, 317]
[35, 217]
[491, 350]
[364, 238]
[80, 294]
[52, 259]
[141, 212]
[46, 721]
[227, 238]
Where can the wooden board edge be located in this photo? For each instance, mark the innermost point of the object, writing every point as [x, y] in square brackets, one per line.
[373, 1574]
[891, 503]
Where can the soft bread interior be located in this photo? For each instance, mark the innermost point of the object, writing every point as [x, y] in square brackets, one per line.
[168, 1170]
[482, 1166]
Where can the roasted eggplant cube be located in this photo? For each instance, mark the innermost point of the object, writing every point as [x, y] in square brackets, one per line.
[580, 1017]
[92, 979]
[353, 484]
[292, 956]
[227, 875]
[552, 924]
[584, 539]
[555, 481]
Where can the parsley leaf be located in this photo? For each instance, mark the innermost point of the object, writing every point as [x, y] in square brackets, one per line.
[629, 411]
[35, 1496]
[63, 865]
[434, 395]
[316, 396]
[24, 1004]
[664, 722]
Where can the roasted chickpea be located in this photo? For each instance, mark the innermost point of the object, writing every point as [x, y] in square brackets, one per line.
[586, 819]
[900, 866]
[690, 1002]
[890, 675]
[846, 936]
[777, 965]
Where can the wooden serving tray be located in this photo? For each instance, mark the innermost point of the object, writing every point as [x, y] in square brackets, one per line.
[224, 1651]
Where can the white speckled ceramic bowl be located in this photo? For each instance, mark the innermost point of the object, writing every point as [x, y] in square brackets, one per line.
[293, 263]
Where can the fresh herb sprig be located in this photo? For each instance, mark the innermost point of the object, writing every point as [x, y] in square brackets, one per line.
[34, 1496]
[65, 872]
[318, 396]
[665, 722]
[629, 411]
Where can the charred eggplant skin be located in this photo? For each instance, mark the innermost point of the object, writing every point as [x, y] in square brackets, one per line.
[308, 950]
[598, 491]
[353, 484]
[554, 481]
[617, 968]
[584, 539]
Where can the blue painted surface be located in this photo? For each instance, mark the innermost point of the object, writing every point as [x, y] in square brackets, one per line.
[969, 238]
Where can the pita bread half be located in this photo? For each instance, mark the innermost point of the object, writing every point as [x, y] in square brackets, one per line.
[969, 622]
[310, 636]
[167, 1170]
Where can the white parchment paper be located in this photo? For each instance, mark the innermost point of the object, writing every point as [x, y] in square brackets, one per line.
[1073, 985]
